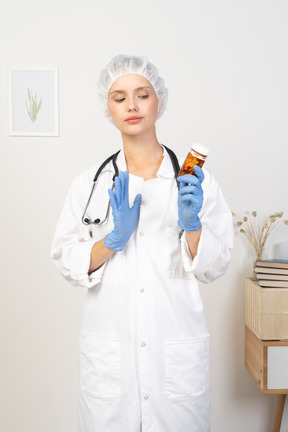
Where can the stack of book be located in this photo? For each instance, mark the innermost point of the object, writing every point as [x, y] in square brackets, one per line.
[272, 273]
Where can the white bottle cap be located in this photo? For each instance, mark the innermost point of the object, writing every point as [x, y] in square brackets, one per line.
[199, 148]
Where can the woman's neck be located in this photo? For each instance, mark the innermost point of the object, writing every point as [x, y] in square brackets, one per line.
[143, 155]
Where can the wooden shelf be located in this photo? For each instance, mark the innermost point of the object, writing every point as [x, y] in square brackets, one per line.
[260, 364]
[263, 370]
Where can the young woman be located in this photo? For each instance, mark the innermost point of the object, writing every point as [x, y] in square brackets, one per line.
[144, 349]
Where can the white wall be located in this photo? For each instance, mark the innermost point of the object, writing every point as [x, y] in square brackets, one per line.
[225, 64]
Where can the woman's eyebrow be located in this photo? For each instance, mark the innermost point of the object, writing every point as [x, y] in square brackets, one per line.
[144, 87]
[117, 91]
[137, 89]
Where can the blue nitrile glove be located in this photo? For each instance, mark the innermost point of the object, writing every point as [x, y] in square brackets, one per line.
[190, 200]
[125, 218]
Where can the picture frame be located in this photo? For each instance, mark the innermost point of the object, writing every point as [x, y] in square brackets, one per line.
[33, 101]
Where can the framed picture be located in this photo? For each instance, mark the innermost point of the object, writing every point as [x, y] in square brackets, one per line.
[33, 101]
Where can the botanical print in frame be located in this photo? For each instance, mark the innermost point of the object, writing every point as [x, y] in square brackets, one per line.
[33, 101]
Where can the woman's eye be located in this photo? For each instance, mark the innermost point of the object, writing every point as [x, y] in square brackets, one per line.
[119, 100]
[144, 96]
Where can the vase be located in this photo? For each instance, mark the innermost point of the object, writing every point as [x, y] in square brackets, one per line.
[259, 257]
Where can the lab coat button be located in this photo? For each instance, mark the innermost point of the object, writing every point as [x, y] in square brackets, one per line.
[141, 234]
[143, 344]
[146, 397]
[142, 290]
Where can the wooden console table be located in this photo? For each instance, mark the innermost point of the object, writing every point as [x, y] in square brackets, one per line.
[267, 362]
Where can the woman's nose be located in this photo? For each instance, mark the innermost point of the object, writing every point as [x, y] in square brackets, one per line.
[132, 106]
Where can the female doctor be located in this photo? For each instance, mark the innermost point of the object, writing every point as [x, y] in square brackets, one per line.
[144, 348]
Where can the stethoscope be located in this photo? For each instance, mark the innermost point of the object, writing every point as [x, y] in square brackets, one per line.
[97, 221]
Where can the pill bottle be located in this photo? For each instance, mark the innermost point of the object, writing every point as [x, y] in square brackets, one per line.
[196, 156]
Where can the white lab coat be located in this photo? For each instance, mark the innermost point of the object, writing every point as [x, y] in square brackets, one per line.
[144, 348]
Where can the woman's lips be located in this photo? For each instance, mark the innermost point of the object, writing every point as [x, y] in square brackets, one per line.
[133, 120]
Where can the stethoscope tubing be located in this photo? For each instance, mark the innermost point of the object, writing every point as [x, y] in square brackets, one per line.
[85, 220]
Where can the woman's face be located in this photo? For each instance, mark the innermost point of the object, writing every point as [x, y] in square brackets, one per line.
[133, 104]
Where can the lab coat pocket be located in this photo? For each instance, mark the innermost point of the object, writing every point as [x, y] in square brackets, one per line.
[173, 254]
[186, 367]
[100, 366]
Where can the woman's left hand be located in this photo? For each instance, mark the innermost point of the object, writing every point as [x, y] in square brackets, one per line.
[125, 217]
[190, 200]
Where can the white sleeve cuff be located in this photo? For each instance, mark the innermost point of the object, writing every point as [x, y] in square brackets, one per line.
[212, 256]
[79, 261]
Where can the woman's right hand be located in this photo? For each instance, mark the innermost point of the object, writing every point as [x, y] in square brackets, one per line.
[125, 218]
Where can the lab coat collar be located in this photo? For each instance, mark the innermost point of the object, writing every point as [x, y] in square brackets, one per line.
[121, 161]
[165, 170]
